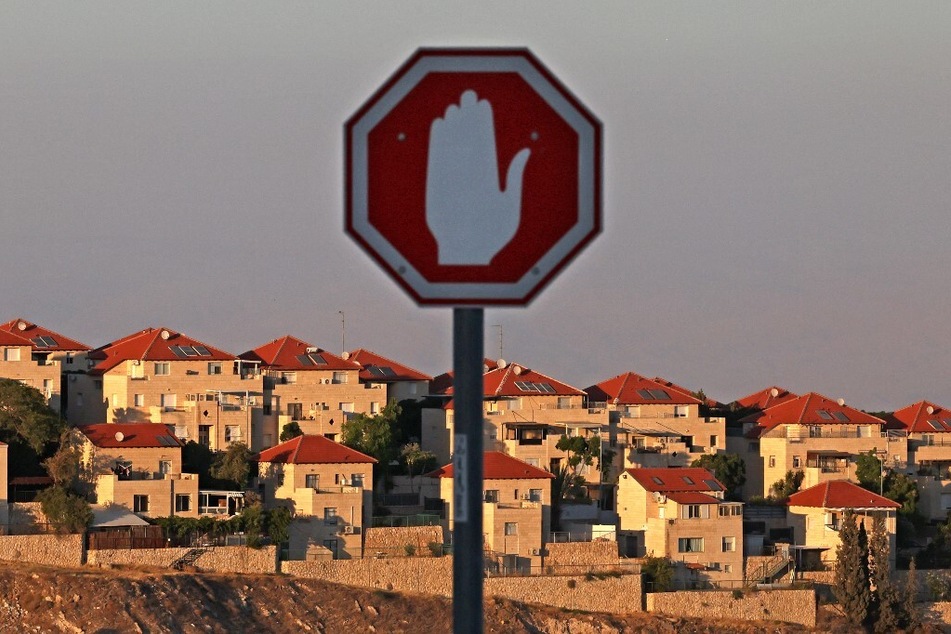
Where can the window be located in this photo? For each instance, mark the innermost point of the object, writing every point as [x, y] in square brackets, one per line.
[214, 367]
[564, 402]
[69, 358]
[511, 528]
[183, 503]
[169, 401]
[374, 408]
[347, 408]
[491, 495]
[727, 567]
[295, 411]
[695, 511]
[312, 481]
[163, 368]
[356, 480]
[535, 495]
[340, 377]
[232, 433]
[280, 479]
[690, 545]
[140, 503]
[796, 462]
[139, 400]
[289, 377]
[11, 354]
[204, 435]
[772, 461]
[729, 544]
[165, 466]
[330, 515]
[726, 510]
[713, 440]
[181, 431]
[681, 411]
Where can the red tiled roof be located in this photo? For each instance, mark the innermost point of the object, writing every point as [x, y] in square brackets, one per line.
[661, 480]
[285, 353]
[134, 435]
[840, 494]
[773, 395]
[692, 497]
[499, 466]
[670, 385]
[500, 382]
[379, 369]
[152, 344]
[311, 449]
[923, 417]
[808, 409]
[31, 331]
[11, 339]
[633, 389]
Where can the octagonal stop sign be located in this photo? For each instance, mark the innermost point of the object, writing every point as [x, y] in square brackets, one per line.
[473, 176]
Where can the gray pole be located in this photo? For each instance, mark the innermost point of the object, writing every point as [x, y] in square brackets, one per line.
[467, 566]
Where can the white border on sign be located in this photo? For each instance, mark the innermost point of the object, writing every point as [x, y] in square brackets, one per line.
[474, 291]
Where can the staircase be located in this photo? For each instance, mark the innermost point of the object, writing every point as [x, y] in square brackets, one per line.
[776, 568]
[188, 558]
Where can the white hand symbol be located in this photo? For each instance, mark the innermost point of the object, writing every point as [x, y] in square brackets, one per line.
[470, 215]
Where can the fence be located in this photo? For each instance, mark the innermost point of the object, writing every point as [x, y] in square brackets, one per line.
[420, 519]
[724, 584]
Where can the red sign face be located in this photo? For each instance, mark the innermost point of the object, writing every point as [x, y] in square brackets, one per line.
[473, 177]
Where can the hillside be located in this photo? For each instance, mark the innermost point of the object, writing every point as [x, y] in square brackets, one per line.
[39, 599]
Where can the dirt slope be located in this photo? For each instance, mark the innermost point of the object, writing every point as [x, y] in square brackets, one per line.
[38, 599]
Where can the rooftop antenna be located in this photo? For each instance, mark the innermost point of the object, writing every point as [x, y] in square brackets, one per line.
[499, 326]
[343, 331]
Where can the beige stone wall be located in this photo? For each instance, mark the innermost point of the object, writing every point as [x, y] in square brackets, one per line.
[42, 375]
[224, 559]
[426, 575]
[580, 557]
[789, 606]
[593, 593]
[161, 493]
[49, 550]
[393, 540]
[26, 514]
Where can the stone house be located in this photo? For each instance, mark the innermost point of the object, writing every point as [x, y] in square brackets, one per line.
[158, 375]
[657, 423]
[329, 489]
[680, 513]
[817, 435]
[312, 387]
[41, 358]
[815, 516]
[525, 414]
[516, 507]
[928, 427]
[138, 466]
[400, 381]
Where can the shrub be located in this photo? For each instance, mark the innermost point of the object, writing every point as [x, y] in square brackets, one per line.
[409, 549]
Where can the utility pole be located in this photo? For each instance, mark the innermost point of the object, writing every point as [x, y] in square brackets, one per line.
[499, 326]
[343, 332]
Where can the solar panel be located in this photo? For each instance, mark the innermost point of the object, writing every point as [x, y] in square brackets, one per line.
[660, 395]
[688, 479]
[936, 425]
[316, 358]
[525, 386]
[202, 351]
[546, 387]
[645, 394]
[388, 371]
[43, 341]
[713, 484]
[304, 359]
[824, 414]
[841, 416]
[657, 480]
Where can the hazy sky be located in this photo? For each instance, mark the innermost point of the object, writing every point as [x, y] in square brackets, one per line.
[777, 184]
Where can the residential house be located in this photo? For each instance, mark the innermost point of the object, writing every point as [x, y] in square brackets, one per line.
[680, 513]
[525, 414]
[40, 358]
[400, 381]
[928, 427]
[817, 435]
[516, 507]
[329, 488]
[312, 387]
[815, 516]
[139, 466]
[657, 423]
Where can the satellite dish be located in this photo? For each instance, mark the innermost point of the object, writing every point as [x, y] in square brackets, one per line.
[502, 364]
[165, 334]
[516, 369]
[345, 356]
[841, 402]
[21, 325]
[930, 409]
[120, 436]
[774, 392]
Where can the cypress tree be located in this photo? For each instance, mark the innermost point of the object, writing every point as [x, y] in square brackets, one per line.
[885, 604]
[851, 587]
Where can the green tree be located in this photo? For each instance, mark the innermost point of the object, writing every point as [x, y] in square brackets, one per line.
[851, 585]
[728, 469]
[66, 511]
[902, 489]
[278, 521]
[885, 605]
[586, 452]
[414, 456]
[65, 467]
[373, 435]
[658, 573]
[25, 417]
[782, 489]
[290, 431]
[233, 465]
[868, 471]
[909, 609]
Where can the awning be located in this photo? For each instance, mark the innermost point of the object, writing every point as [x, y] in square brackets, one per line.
[113, 516]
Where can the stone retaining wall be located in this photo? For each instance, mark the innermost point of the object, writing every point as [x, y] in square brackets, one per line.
[229, 559]
[592, 593]
[424, 575]
[789, 606]
[394, 540]
[579, 557]
[52, 550]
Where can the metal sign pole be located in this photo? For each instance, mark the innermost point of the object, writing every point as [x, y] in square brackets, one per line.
[467, 565]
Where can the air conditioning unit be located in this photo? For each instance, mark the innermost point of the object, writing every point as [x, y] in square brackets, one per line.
[326, 381]
[348, 530]
[660, 498]
[536, 552]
